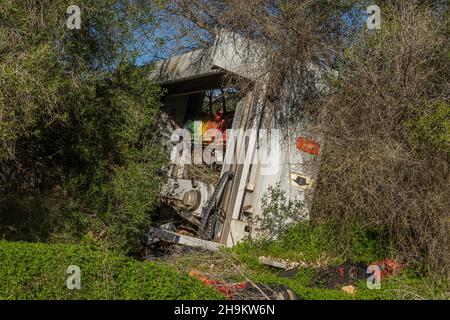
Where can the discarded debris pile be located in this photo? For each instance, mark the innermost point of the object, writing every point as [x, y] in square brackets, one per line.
[219, 271]
[343, 276]
[247, 290]
[349, 272]
[336, 277]
[279, 263]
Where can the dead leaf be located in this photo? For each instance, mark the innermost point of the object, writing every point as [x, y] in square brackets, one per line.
[349, 289]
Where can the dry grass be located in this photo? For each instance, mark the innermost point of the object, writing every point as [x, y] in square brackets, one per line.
[370, 174]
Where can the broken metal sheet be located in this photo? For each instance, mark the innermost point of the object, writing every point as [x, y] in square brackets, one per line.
[154, 235]
[279, 263]
[187, 66]
[238, 231]
[239, 55]
[273, 263]
[230, 52]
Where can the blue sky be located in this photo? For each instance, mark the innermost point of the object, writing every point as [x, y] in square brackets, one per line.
[167, 39]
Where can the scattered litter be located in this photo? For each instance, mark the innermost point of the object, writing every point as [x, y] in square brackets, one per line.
[349, 289]
[246, 290]
[278, 263]
[347, 273]
[341, 275]
[228, 289]
[389, 267]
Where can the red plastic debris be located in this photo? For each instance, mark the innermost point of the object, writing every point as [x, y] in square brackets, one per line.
[228, 289]
[388, 267]
[308, 146]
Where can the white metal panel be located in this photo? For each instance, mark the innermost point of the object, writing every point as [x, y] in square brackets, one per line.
[239, 55]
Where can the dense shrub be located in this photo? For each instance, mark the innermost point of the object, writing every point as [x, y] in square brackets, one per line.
[385, 164]
[278, 213]
[39, 271]
[430, 130]
[77, 123]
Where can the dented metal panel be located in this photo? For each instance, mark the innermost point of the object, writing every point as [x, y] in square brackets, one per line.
[290, 148]
[239, 55]
[187, 66]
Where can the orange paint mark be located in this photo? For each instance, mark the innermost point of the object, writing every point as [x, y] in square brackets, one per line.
[308, 146]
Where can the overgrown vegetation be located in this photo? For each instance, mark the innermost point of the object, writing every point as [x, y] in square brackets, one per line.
[383, 113]
[430, 130]
[79, 162]
[77, 124]
[277, 213]
[308, 248]
[385, 165]
[313, 248]
[39, 271]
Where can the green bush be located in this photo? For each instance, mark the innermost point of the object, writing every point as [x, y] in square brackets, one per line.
[309, 242]
[431, 130]
[77, 124]
[39, 271]
[278, 213]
